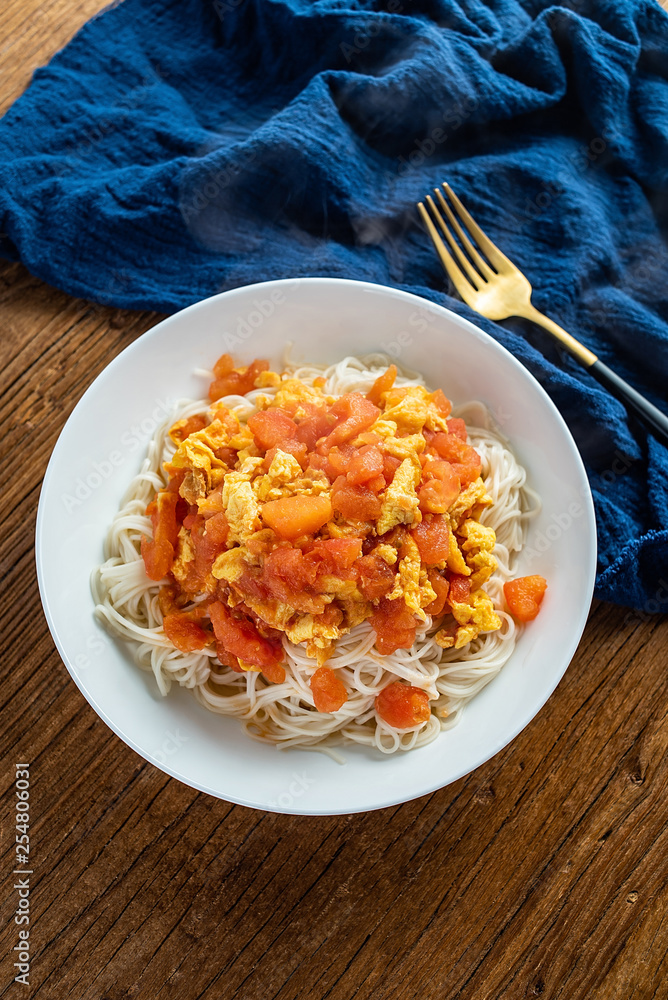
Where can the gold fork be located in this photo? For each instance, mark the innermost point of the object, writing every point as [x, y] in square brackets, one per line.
[492, 285]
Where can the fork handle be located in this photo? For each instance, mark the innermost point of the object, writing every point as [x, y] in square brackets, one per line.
[625, 393]
[632, 399]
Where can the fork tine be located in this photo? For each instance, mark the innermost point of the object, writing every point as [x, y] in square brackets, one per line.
[455, 250]
[458, 279]
[481, 264]
[497, 258]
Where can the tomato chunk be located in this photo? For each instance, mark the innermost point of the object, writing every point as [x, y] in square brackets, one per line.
[184, 428]
[394, 625]
[382, 384]
[240, 637]
[291, 517]
[441, 588]
[158, 552]
[355, 413]
[217, 529]
[339, 459]
[234, 381]
[390, 466]
[403, 706]
[457, 427]
[464, 459]
[336, 554]
[356, 503]
[442, 403]
[432, 537]
[183, 630]
[375, 578]
[289, 577]
[524, 596]
[460, 589]
[329, 691]
[315, 424]
[364, 465]
[271, 427]
[437, 496]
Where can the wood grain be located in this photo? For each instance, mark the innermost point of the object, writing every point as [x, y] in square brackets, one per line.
[542, 874]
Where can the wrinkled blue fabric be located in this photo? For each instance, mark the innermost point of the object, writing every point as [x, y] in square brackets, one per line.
[176, 148]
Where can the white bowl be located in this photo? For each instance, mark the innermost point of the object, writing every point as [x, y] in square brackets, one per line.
[102, 446]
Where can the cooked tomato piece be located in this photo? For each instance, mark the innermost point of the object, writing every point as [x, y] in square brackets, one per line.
[460, 589]
[382, 384]
[213, 503]
[289, 576]
[390, 466]
[298, 515]
[274, 672]
[336, 553]
[432, 537]
[356, 503]
[316, 423]
[271, 427]
[434, 468]
[339, 459]
[329, 691]
[464, 459]
[158, 552]
[184, 631]
[375, 578]
[449, 446]
[240, 637]
[320, 462]
[394, 625]
[206, 548]
[457, 427]
[403, 706]
[228, 659]
[524, 596]
[354, 413]
[184, 428]
[441, 587]
[441, 402]
[377, 485]
[295, 448]
[291, 566]
[217, 529]
[251, 584]
[436, 496]
[234, 381]
[366, 464]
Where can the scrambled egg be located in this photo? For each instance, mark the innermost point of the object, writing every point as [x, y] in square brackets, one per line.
[293, 391]
[387, 553]
[412, 583]
[400, 502]
[474, 616]
[230, 565]
[285, 478]
[478, 545]
[470, 502]
[240, 506]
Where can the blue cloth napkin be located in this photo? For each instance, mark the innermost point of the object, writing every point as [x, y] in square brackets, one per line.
[176, 148]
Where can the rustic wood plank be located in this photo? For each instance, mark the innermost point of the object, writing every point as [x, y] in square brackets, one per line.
[542, 874]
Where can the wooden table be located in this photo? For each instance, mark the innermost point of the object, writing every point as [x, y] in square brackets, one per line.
[543, 873]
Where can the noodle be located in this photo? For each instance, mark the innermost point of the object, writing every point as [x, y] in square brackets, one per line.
[283, 713]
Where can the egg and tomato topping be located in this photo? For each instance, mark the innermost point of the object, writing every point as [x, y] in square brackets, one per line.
[316, 514]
